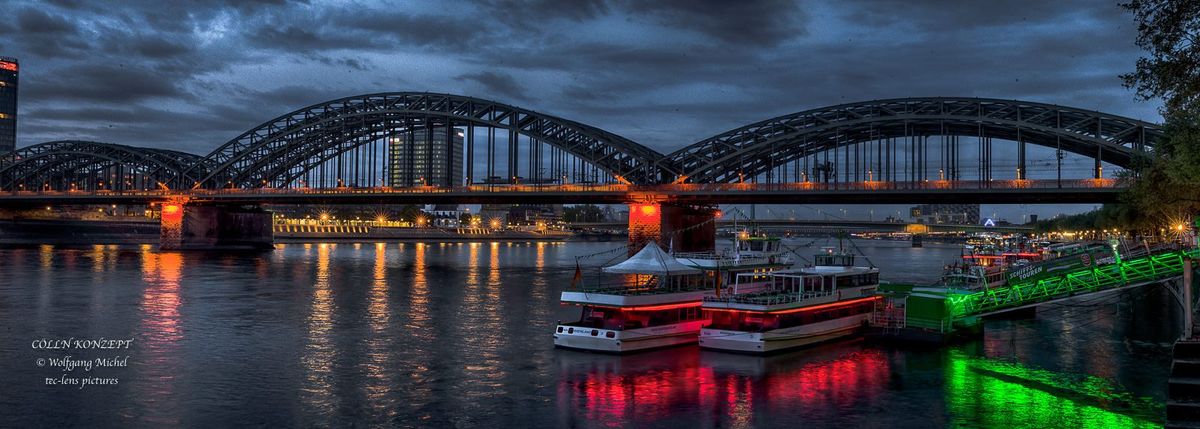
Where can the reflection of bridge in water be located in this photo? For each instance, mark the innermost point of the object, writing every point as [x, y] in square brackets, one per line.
[384, 149]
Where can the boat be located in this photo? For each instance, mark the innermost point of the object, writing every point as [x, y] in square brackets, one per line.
[831, 299]
[988, 263]
[650, 300]
[752, 256]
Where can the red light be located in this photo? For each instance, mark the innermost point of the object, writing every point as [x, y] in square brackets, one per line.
[172, 212]
[644, 214]
[797, 310]
[5, 65]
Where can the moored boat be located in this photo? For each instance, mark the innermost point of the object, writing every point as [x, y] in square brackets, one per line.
[832, 299]
[648, 301]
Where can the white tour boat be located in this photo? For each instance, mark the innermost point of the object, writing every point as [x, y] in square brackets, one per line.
[648, 301]
[831, 299]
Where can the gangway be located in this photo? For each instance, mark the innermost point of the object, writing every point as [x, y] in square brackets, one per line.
[1154, 267]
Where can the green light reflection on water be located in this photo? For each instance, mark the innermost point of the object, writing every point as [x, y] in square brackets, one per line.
[994, 394]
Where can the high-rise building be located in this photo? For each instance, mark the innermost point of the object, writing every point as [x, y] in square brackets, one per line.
[946, 213]
[414, 161]
[8, 104]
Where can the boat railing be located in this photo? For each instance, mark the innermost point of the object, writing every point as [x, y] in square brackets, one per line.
[710, 256]
[699, 255]
[769, 297]
[639, 289]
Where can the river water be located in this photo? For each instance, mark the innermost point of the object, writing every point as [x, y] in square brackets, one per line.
[459, 335]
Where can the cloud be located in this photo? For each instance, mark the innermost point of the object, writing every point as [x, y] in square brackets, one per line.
[113, 84]
[754, 23]
[661, 73]
[496, 83]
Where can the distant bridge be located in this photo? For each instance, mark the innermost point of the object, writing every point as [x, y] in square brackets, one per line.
[854, 225]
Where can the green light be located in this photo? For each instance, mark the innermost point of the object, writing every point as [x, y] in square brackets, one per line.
[985, 393]
[1089, 279]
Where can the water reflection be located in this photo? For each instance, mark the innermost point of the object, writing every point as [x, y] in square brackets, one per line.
[718, 389]
[992, 393]
[157, 359]
[319, 352]
[379, 344]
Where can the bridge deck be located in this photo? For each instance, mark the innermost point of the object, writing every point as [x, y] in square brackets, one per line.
[998, 192]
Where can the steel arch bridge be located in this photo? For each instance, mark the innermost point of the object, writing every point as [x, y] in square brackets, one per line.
[88, 165]
[352, 143]
[761, 147]
[295, 145]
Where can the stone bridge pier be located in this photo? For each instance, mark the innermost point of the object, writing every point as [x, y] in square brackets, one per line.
[185, 226]
[683, 228]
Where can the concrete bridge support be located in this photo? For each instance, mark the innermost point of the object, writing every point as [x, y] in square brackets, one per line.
[215, 227]
[684, 228]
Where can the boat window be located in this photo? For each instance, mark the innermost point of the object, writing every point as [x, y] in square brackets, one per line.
[789, 320]
[744, 322]
[858, 280]
[647, 319]
[812, 284]
[602, 318]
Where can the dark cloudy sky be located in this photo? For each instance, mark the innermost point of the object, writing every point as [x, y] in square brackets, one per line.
[193, 74]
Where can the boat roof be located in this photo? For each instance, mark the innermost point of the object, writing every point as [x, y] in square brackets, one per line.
[825, 269]
[651, 260]
[818, 270]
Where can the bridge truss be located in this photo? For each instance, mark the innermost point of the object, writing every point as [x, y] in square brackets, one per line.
[92, 166]
[391, 139]
[897, 140]
[427, 141]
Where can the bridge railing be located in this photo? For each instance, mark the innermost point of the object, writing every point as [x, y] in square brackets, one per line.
[608, 188]
[1153, 267]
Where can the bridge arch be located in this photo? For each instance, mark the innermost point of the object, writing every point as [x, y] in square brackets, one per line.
[284, 150]
[764, 146]
[87, 165]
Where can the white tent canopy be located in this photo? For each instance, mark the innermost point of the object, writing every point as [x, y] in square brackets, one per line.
[651, 260]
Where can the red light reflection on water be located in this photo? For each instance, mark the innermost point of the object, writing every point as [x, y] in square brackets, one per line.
[160, 334]
[655, 387]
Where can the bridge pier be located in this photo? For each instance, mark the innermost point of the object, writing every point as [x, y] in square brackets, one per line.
[682, 228]
[215, 227]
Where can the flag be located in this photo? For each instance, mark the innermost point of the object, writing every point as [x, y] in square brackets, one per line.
[578, 275]
[717, 279]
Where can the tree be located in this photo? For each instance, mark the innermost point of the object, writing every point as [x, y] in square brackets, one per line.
[1169, 30]
[1166, 185]
[409, 212]
[583, 213]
